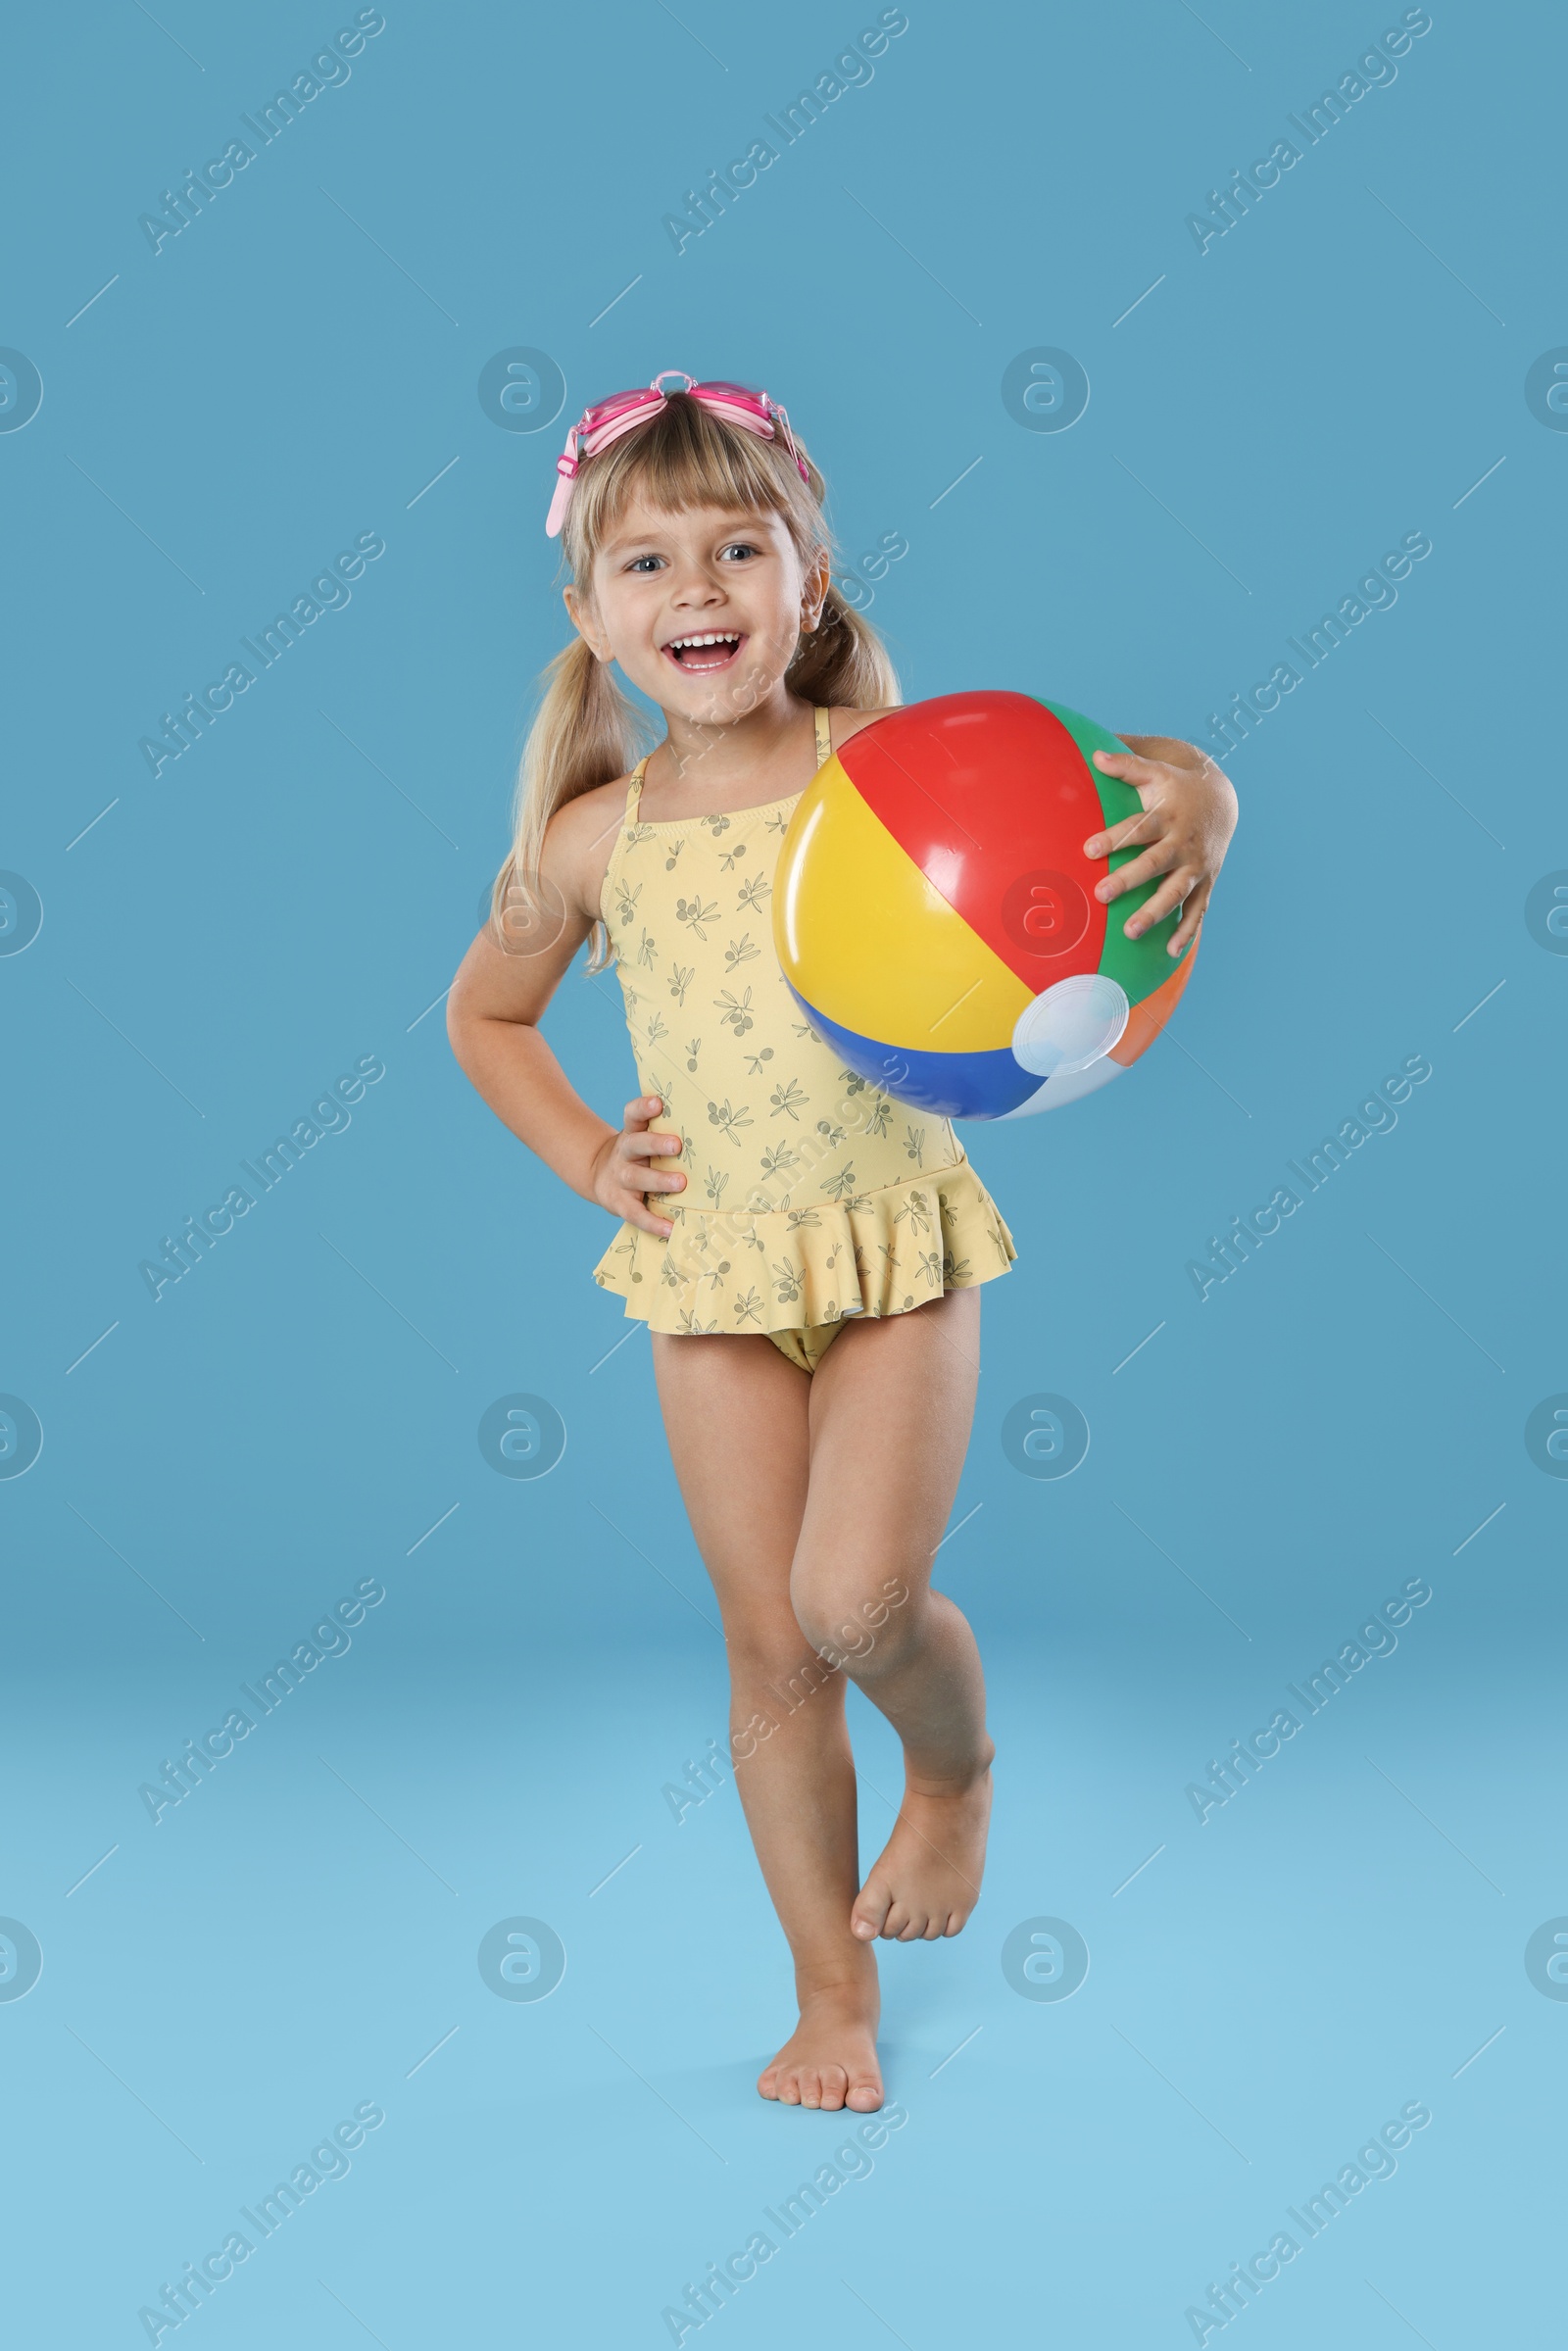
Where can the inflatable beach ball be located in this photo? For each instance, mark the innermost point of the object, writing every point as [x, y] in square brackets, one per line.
[934, 915]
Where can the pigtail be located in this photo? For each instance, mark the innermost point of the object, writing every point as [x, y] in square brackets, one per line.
[586, 733]
[844, 664]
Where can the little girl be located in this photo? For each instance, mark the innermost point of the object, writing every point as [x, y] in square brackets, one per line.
[806, 1253]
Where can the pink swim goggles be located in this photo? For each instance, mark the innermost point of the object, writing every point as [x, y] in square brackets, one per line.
[607, 420]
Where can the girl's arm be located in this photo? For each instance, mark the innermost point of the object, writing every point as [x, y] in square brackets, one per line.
[1189, 814]
[493, 1013]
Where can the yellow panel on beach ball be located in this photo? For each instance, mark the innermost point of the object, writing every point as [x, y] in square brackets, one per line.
[872, 943]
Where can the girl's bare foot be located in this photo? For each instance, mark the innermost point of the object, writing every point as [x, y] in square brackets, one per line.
[830, 2058]
[927, 1879]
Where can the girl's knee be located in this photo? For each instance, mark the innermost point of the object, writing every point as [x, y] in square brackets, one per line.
[764, 1656]
[863, 1625]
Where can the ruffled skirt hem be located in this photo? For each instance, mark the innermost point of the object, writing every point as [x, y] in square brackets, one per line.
[880, 1253]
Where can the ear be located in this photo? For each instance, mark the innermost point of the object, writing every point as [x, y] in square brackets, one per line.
[583, 621]
[814, 592]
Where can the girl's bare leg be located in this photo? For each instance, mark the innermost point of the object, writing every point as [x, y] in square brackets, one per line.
[736, 1415]
[891, 1408]
[818, 1504]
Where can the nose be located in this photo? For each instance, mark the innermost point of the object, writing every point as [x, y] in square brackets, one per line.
[692, 586]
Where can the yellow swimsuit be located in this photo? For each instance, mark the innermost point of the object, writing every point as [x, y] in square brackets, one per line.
[811, 1196]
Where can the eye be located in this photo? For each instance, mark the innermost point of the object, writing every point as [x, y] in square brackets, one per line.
[739, 547]
[645, 562]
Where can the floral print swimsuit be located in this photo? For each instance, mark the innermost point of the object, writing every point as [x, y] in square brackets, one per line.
[811, 1196]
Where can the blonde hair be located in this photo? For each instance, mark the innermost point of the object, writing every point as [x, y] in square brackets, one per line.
[585, 731]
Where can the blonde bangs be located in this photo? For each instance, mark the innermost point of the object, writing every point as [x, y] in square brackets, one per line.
[685, 458]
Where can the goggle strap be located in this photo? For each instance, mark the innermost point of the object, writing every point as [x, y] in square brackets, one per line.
[754, 413]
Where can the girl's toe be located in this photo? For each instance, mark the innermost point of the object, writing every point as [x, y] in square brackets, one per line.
[868, 1914]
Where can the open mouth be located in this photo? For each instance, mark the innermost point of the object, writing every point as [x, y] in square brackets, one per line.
[705, 649]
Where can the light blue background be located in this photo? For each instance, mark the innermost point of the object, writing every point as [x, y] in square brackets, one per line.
[295, 893]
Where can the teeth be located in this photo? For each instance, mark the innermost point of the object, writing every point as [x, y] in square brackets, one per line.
[728, 638]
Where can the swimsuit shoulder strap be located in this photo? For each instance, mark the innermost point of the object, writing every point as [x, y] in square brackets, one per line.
[634, 790]
[824, 738]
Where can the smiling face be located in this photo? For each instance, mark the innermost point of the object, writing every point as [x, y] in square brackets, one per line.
[703, 609]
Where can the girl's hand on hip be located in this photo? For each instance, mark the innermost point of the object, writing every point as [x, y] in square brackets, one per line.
[1187, 817]
[622, 1173]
